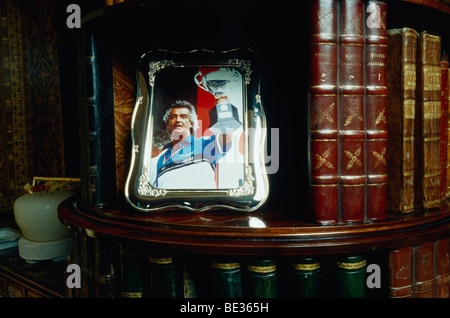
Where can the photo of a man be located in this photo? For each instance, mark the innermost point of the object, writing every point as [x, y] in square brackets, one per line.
[186, 161]
[188, 151]
[197, 135]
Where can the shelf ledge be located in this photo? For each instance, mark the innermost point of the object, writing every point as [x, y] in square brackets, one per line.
[259, 233]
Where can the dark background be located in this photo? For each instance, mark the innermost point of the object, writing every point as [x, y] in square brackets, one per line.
[277, 30]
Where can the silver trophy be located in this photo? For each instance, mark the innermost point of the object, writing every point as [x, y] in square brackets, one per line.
[224, 116]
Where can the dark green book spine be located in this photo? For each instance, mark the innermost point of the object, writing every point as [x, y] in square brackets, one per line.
[96, 118]
[163, 278]
[226, 279]
[194, 278]
[351, 277]
[305, 278]
[261, 280]
[131, 273]
[106, 268]
[85, 260]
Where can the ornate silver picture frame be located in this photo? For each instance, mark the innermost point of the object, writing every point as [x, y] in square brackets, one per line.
[198, 133]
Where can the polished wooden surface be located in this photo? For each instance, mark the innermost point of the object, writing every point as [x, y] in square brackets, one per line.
[432, 4]
[21, 279]
[258, 233]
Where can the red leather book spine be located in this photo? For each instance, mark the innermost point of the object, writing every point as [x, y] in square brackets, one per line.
[352, 175]
[424, 270]
[323, 112]
[428, 174]
[375, 110]
[442, 275]
[401, 281]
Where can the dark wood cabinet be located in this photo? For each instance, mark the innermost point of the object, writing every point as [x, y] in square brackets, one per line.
[18, 278]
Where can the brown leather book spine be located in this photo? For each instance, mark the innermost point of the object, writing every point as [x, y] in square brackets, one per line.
[428, 120]
[442, 274]
[424, 270]
[352, 174]
[401, 282]
[401, 103]
[323, 112]
[375, 110]
[448, 134]
[444, 128]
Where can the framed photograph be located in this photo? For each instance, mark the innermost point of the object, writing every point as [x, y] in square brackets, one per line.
[198, 133]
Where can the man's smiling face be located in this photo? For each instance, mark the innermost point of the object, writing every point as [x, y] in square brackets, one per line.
[180, 123]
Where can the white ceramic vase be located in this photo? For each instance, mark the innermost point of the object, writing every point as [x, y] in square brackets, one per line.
[37, 217]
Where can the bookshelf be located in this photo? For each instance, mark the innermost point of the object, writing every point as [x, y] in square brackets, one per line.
[222, 233]
[283, 228]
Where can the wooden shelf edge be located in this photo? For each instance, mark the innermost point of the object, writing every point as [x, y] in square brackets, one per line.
[432, 4]
[275, 239]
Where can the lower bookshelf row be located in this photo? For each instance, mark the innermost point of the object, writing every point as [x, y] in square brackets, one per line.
[122, 268]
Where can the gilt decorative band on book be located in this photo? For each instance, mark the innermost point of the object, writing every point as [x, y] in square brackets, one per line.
[262, 269]
[156, 260]
[356, 265]
[225, 265]
[306, 267]
[348, 94]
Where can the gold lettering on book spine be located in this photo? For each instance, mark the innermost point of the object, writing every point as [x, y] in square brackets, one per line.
[306, 267]
[160, 260]
[262, 269]
[357, 265]
[408, 109]
[228, 266]
[432, 78]
[131, 294]
[409, 73]
[432, 110]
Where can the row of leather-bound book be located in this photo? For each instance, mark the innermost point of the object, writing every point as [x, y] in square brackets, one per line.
[195, 276]
[378, 103]
[416, 271]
